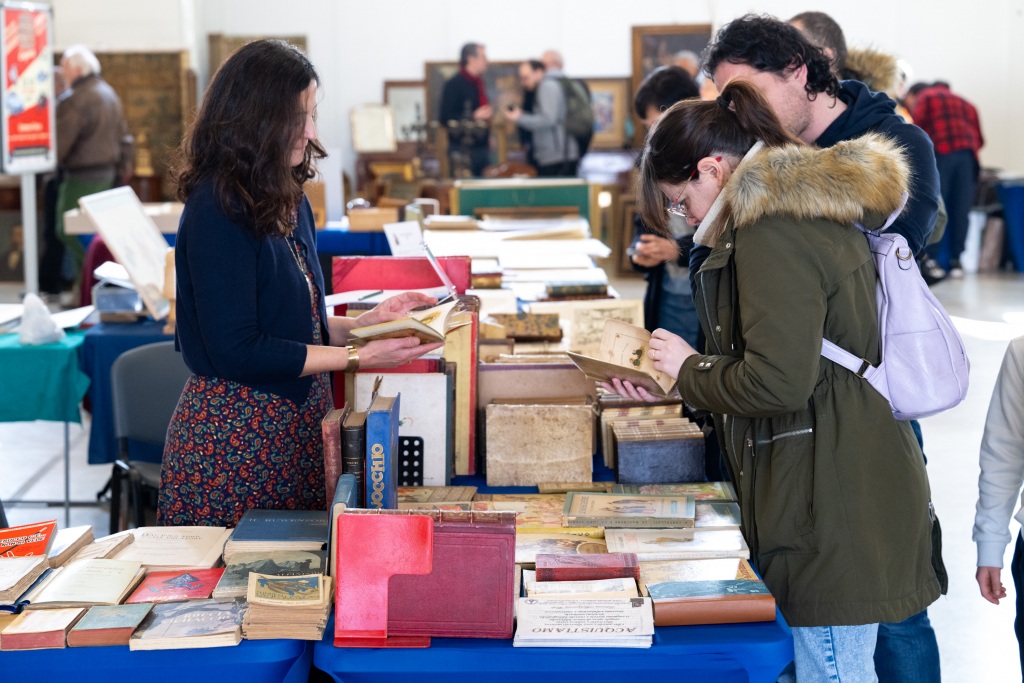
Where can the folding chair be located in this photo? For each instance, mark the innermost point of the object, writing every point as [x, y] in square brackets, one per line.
[146, 383]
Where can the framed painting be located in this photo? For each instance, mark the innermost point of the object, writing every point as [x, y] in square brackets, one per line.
[408, 101]
[610, 99]
[655, 46]
[626, 235]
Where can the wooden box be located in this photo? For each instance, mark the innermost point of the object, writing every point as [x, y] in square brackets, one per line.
[371, 220]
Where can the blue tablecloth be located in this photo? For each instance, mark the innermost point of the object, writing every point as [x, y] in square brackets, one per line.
[335, 242]
[252, 661]
[720, 653]
[100, 348]
[41, 382]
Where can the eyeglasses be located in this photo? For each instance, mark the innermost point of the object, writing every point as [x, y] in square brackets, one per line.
[678, 206]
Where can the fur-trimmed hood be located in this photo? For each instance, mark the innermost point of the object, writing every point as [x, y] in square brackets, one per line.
[842, 183]
[877, 70]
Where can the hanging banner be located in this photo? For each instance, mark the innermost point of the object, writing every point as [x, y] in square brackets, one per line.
[27, 108]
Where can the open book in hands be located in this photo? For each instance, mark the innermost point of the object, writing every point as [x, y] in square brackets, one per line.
[429, 324]
[624, 354]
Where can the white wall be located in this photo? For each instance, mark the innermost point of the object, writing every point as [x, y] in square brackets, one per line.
[356, 46]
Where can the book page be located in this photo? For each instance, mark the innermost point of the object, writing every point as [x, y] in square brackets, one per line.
[93, 581]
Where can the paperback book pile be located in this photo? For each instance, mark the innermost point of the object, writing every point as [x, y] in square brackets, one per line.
[294, 607]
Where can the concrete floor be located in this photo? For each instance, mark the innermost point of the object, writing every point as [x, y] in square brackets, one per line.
[976, 638]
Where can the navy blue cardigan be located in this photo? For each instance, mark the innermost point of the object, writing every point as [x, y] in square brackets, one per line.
[243, 310]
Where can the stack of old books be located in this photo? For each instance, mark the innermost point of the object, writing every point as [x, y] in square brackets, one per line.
[294, 607]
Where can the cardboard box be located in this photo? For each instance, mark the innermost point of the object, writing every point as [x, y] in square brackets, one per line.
[165, 214]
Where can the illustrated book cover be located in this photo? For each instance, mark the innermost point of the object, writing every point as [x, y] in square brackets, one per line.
[536, 512]
[624, 354]
[528, 546]
[196, 623]
[108, 625]
[27, 539]
[723, 591]
[234, 582]
[176, 586]
[677, 544]
[619, 510]
[700, 490]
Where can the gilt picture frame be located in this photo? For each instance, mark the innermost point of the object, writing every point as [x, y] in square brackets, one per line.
[610, 99]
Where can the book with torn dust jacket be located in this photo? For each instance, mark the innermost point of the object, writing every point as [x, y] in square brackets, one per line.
[624, 354]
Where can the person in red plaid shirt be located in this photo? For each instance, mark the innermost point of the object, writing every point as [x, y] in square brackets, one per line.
[952, 124]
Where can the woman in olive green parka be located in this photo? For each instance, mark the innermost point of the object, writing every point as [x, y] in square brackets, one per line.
[833, 491]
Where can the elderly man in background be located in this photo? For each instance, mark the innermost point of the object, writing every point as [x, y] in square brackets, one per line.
[94, 146]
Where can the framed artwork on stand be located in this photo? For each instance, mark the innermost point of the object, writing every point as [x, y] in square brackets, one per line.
[611, 100]
[408, 101]
[655, 46]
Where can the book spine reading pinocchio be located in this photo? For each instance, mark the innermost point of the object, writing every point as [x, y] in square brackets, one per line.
[382, 452]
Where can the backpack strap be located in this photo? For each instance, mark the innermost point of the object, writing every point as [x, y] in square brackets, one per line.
[841, 356]
[890, 220]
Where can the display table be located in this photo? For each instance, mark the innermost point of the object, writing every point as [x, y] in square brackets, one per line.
[100, 348]
[720, 653]
[252, 661]
[43, 383]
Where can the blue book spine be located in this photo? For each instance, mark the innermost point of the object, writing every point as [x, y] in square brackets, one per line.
[382, 453]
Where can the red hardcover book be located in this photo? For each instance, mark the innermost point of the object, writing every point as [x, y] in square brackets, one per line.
[469, 590]
[352, 273]
[28, 539]
[587, 567]
[38, 629]
[176, 586]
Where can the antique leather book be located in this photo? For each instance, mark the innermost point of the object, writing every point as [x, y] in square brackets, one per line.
[331, 428]
[587, 567]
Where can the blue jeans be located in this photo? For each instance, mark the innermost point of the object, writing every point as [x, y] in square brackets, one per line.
[835, 654]
[907, 651]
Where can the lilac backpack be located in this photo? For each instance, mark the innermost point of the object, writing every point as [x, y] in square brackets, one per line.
[924, 368]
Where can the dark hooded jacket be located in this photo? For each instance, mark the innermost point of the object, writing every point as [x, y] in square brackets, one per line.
[875, 112]
[833, 490]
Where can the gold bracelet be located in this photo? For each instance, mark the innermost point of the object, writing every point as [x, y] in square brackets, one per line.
[353, 360]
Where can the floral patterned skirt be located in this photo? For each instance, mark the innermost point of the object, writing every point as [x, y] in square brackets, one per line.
[230, 448]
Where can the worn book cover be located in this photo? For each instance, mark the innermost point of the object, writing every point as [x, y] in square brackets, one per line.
[529, 326]
[40, 629]
[175, 586]
[624, 354]
[557, 567]
[67, 542]
[197, 623]
[105, 547]
[409, 496]
[699, 490]
[627, 510]
[531, 443]
[723, 591]
[90, 582]
[174, 547]
[566, 486]
[609, 622]
[528, 546]
[658, 451]
[234, 582]
[330, 427]
[108, 625]
[429, 324]
[17, 574]
[382, 452]
[27, 539]
[677, 544]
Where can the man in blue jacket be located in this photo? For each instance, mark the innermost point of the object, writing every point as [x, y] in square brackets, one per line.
[797, 79]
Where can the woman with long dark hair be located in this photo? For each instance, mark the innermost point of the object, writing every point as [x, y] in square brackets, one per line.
[251, 320]
[833, 491]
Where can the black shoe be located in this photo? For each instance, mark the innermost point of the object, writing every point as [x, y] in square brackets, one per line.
[932, 272]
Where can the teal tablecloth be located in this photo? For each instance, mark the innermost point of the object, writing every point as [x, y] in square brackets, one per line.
[41, 382]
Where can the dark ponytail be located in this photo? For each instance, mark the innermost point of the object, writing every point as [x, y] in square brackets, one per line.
[691, 130]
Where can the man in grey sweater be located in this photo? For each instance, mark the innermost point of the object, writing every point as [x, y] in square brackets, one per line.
[556, 152]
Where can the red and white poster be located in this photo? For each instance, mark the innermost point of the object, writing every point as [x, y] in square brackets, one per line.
[29, 145]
